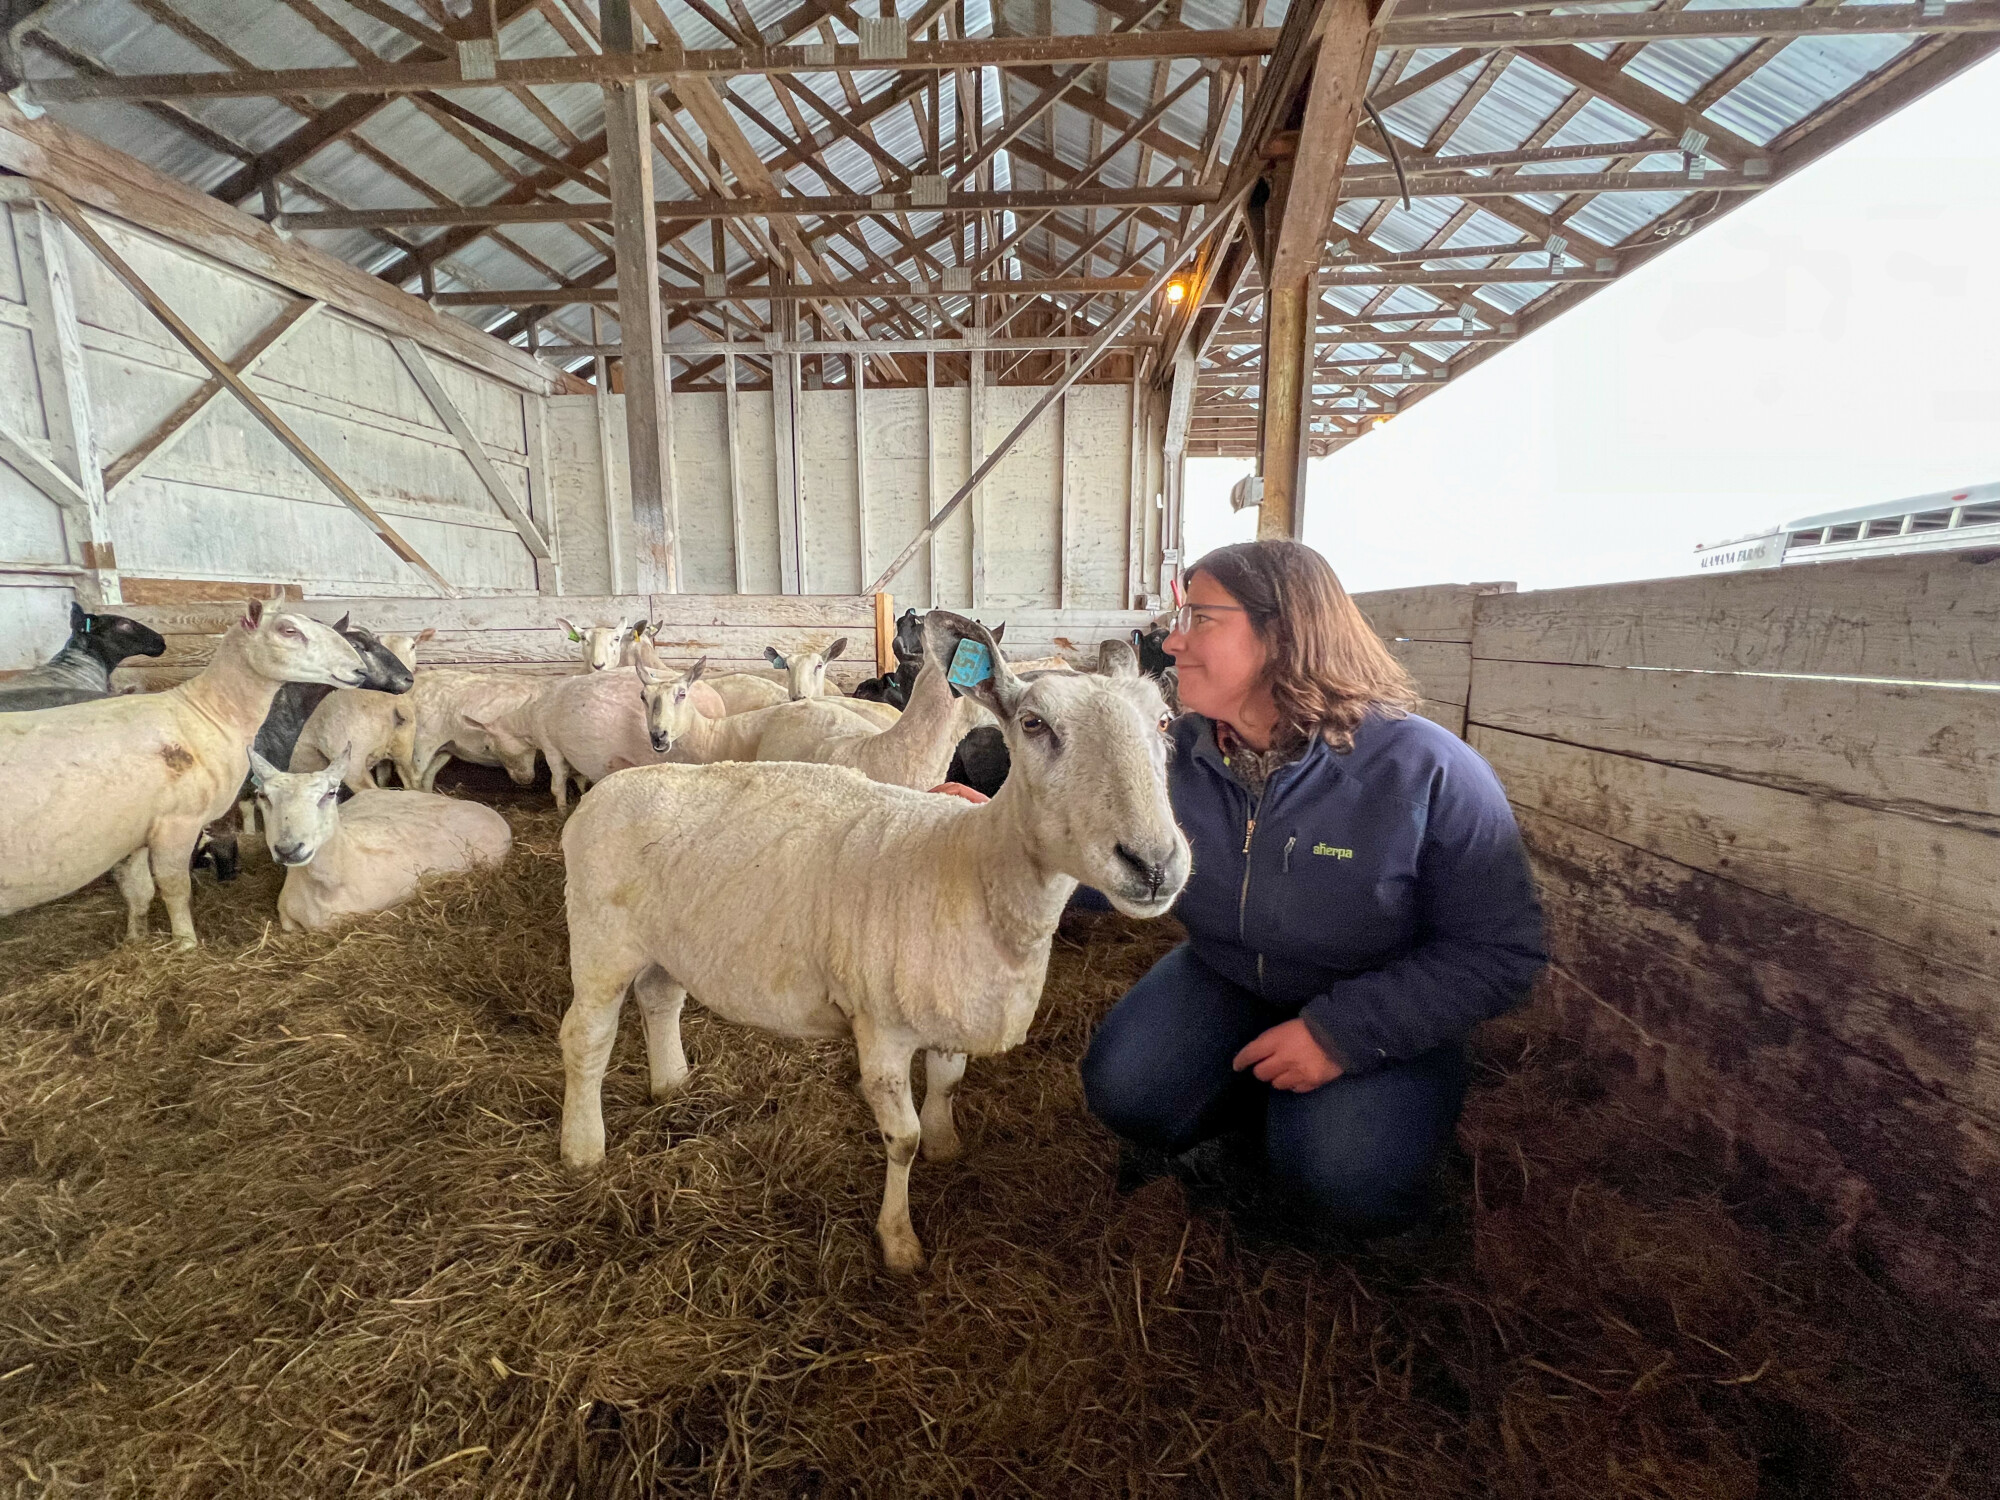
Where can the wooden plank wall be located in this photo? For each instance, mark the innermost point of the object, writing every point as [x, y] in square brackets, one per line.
[519, 632]
[1764, 811]
[1429, 630]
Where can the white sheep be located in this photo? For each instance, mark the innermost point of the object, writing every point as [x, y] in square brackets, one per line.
[368, 855]
[451, 707]
[743, 691]
[604, 646]
[805, 671]
[586, 727]
[811, 902]
[130, 782]
[913, 751]
[361, 727]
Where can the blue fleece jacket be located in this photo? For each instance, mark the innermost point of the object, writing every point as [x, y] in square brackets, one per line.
[1382, 892]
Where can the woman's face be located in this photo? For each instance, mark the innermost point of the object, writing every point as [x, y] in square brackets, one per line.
[1219, 656]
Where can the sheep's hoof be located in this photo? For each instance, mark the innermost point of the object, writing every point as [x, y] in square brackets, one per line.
[666, 1092]
[186, 944]
[903, 1255]
[942, 1146]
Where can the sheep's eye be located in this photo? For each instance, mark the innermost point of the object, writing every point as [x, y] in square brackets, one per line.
[1034, 724]
[1166, 722]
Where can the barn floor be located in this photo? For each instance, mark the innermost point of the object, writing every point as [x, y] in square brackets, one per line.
[284, 1218]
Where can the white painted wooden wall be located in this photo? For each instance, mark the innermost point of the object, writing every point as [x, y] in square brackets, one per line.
[1054, 524]
[228, 501]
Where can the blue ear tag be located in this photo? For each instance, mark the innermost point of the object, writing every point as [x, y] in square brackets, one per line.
[971, 664]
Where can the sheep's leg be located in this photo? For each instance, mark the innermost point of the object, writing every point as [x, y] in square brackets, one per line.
[558, 777]
[942, 1071]
[438, 761]
[171, 848]
[660, 1001]
[589, 1028]
[135, 884]
[246, 813]
[885, 1084]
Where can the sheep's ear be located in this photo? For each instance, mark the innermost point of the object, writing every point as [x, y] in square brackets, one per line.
[836, 648]
[570, 626]
[1117, 659]
[261, 770]
[1000, 632]
[772, 655]
[427, 635]
[336, 771]
[253, 614]
[78, 620]
[998, 693]
[340, 625]
[693, 673]
[647, 676]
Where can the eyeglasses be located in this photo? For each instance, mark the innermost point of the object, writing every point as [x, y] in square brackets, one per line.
[1184, 616]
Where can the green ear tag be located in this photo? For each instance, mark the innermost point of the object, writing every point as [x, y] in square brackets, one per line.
[971, 664]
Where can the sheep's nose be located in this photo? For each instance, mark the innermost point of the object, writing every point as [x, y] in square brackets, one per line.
[290, 854]
[662, 744]
[1152, 871]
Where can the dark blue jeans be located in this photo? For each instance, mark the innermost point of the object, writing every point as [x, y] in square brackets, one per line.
[1353, 1154]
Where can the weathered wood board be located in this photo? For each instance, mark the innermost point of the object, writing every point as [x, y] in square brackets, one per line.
[1931, 617]
[1432, 612]
[1927, 885]
[1926, 750]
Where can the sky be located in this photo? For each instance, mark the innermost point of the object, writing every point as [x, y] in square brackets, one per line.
[1835, 342]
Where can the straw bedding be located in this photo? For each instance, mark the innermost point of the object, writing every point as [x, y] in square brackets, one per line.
[284, 1217]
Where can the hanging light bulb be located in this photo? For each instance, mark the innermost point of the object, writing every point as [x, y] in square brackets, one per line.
[1176, 292]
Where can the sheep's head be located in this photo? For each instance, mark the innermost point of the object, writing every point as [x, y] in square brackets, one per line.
[504, 740]
[301, 808]
[602, 644]
[296, 648]
[388, 672]
[404, 647]
[805, 671]
[115, 637]
[670, 701]
[1089, 756]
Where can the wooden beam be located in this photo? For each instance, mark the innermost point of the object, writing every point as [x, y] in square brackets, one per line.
[665, 65]
[468, 441]
[677, 213]
[31, 458]
[731, 420]
[859, 368]
[175, 425]
[57, 342]
[1305, 188]
[1500, 31]
[1644, 102]
[628, 122]
[66, 210]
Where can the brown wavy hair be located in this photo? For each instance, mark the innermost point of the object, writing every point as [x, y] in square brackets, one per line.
[1327, 669]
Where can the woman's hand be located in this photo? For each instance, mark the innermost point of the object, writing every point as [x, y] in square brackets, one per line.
[1287, 1057]
[961, 791]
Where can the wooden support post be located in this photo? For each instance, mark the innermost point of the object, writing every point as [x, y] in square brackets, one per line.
[730, 420]
[858, 366]
[614, 554]
[541, 493]
[975, 452]
[1304, 189]
[931, 470]
[175, 425]
[1135, 518]
[785, 457]
[885, 634]
[58, 350]
[670, 497]
[1064, 523]
[628, 136]
[81, 227]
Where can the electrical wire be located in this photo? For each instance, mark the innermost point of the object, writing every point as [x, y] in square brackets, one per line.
[1389, 142]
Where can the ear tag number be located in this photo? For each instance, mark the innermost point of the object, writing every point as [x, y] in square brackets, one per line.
[971, 664]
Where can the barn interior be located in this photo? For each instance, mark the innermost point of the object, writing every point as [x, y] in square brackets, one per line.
[765, 324]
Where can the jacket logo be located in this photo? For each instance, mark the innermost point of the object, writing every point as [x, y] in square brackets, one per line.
[1332, 853]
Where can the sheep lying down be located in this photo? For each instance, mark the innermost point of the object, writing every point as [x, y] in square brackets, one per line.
[369, 854]
[810, 901]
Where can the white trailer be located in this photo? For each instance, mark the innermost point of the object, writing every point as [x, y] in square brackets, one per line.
[1947, 521]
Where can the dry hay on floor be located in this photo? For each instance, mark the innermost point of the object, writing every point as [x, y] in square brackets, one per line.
[283, 1217]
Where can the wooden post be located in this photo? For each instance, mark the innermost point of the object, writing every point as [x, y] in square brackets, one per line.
[729, 417]
[785, 458]
[930, 470]
[975, 452]
[858, 366]
[628, 124]
[1063, 522]
[542, 494]
[1304, 188]
[58, 351]
[1135, 520]
[614, 558]
[885, 634]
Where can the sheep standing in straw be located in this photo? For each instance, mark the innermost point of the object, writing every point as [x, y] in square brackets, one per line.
[809, 901]
[129, 783]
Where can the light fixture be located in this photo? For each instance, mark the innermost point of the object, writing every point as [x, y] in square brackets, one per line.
[1379, 422]
[1176, 292]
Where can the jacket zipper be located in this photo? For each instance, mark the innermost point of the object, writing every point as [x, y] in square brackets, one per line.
[1288, 852]
[1243, 895]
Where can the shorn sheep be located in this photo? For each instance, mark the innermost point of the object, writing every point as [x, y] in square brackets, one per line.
[361, 727]
[129, 783]
[805, 671]
[82, 670]
[811, 902]
[604, 646]
[370, 853]
[914, 750]
[451, 709]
